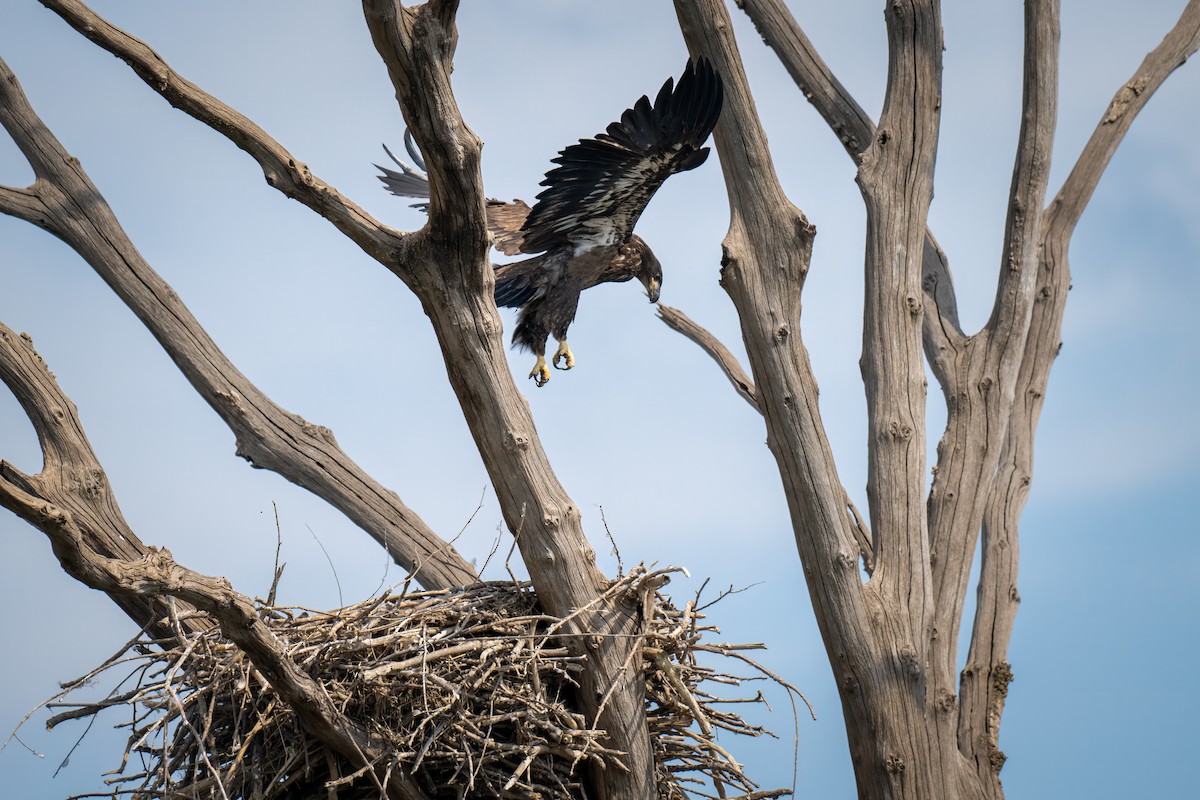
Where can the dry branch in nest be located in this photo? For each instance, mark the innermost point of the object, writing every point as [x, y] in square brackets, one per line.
[471, 691]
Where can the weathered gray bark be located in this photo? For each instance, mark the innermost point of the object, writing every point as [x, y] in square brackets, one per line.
[71, 478]
[984, 685]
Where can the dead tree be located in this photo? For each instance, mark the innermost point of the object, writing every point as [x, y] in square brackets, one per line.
[916, 728]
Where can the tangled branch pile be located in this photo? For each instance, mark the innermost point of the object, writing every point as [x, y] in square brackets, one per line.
[471, 689]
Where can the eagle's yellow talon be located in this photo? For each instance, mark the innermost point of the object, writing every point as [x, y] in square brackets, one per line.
[564, 353]
[540, 373]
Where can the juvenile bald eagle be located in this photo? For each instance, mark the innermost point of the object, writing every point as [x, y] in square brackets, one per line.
[580, 230]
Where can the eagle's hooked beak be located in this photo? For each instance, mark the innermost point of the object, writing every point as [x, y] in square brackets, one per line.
[652, 289]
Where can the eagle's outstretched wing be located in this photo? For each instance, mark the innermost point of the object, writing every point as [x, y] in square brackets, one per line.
[504, 220]
[602, 185]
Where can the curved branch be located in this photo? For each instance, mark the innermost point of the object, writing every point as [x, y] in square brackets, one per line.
[281, 169]
[1176, 48]
[65, 202]
[683, 324]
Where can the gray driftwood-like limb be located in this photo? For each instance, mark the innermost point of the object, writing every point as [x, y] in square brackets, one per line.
[71, 478]
[896, 179]
[71, 502]
[280, 168]
[64, 201]
[685, 325]
[449, 271]
[902, 739]
[979, 386]
[959, 362]
[987, 673]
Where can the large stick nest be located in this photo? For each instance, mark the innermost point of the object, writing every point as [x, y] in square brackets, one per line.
[472, 690]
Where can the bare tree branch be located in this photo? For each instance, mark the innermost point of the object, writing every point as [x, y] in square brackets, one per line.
[1176, 48]
[979, 389]
[896, 179]
[64, 201]
[985, 679]
[682, 323]
[281, 169]
[941, 332]
[871, 644]
[71, 502]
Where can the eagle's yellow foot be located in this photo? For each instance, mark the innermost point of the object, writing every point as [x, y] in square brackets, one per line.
[540, 373]
[564, 353]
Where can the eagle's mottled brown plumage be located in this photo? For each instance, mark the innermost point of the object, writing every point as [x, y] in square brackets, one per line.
[580, 231]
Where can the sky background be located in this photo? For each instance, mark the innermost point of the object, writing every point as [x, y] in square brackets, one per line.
[645, 426]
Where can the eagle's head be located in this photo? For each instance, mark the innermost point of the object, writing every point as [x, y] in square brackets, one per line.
[644, 265]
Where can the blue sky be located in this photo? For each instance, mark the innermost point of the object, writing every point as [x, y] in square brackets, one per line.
[645, 426]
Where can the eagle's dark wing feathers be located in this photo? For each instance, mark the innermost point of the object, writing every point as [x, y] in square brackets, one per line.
[601, 186]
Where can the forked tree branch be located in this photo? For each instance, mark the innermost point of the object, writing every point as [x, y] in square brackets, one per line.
[985, 679]
[70, 501]
[65, 202]
[980, 385]
[946, 347]
[71, 478]
[871, 643]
